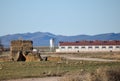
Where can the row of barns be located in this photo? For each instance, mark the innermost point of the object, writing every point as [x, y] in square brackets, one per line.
[89, 46]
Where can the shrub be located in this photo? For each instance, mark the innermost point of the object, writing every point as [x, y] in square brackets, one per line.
[101, 74]
[106, 74]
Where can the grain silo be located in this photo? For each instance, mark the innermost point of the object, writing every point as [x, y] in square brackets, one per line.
[52, 40]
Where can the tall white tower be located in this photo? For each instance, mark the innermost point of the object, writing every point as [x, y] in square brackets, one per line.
[52, 44]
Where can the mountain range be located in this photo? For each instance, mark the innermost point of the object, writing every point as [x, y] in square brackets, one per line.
[42, 38]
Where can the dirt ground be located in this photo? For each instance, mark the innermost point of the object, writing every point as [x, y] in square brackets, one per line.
[38, 79]
[72, 57]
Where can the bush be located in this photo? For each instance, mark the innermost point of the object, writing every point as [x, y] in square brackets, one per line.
[106, 74]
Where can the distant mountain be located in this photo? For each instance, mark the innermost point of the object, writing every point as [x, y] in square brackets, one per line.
[42, 38]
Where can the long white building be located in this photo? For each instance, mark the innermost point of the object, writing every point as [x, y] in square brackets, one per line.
[89, 46]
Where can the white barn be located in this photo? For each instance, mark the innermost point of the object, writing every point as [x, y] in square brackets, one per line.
[89, 46]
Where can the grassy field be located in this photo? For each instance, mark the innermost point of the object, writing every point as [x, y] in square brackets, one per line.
[14, 70]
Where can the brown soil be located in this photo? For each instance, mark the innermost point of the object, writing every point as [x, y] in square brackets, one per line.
[38, 79]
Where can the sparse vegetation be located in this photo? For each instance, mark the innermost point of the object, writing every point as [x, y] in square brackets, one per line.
[100, 74]
[71, 70]
[13, 70]
[104, 55]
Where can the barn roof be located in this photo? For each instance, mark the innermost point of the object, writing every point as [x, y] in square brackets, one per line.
[96, 42]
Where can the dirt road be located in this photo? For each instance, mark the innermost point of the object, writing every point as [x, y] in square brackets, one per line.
[90, 59]
[38, 79]
[82, 58]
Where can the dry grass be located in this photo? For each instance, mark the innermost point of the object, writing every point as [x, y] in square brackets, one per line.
[12, 70]
[5, 56]
[101, 74]
[57, 59]
[106, 74]
[72, 70]
[4, 59]
[74, 76]
[104, 55]
[32, 58]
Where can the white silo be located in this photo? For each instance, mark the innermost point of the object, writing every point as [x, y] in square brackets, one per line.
[52, 44]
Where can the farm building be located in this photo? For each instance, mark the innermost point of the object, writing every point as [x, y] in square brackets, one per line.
[89, 46]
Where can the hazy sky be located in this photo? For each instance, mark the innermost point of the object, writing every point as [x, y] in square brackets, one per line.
[64, 17]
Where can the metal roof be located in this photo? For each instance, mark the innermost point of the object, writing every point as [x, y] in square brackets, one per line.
[96, 42]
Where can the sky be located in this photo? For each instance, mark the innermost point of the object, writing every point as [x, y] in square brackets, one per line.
[60, 17]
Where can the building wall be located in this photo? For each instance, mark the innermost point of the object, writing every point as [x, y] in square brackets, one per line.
[92, 48]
